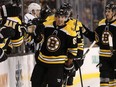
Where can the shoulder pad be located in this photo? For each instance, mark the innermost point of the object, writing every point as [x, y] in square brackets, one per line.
[69, 30]
[50, 18]
[102, 22]
[114, 23]
[15, 19]
[48, 23]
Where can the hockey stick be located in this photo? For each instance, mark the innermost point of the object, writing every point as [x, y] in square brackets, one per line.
[77, 63]
[65, 83]
[89, 49]
[83, 56]
[81, 76]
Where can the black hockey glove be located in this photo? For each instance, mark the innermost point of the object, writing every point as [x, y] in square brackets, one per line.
[45, 12]
[7, 32]
[68, 70]
[78, 62]
[38, 21]
[8, 50]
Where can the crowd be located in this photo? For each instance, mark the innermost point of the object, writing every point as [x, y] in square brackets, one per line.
[56, 39]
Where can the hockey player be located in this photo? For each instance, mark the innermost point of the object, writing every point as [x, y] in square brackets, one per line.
[35, 16]
[81, 30]
[106, 40]
[11, 23]
[58, 48]
[33, 12]
[10, 32]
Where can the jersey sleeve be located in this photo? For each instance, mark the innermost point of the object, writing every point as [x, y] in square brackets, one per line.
[87, 33]
[72, 47]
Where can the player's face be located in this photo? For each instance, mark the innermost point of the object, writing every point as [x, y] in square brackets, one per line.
[37, 13]
[109, 14]
[60, 20]
[31, 28]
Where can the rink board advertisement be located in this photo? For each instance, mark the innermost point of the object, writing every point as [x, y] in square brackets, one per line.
[4, 74]
[89, 70]
[21, 68]
[16, 71]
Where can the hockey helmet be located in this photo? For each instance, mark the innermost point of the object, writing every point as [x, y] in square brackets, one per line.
[66, 6]
[111, 6]
[61, 12]
[33, 6]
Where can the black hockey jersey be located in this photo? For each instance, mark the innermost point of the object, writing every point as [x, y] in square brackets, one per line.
[102, 33]
[11, 29]
[76, 26]
[59, 43]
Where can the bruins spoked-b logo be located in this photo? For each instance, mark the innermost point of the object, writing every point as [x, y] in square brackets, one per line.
[53, 43]
[105, 36]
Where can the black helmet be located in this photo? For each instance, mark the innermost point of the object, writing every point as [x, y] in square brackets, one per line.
[61, 12]
[66, 6]
[111, 6]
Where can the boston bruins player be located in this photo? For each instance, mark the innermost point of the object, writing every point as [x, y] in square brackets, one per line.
[81, 30]
[106, 40]
[59, 47]
[10, 31]
[12, 21]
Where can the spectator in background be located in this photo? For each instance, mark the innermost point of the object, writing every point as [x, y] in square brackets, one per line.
[98, 9]
[87, 17]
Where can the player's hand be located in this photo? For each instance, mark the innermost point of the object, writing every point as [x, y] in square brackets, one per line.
[78, 62]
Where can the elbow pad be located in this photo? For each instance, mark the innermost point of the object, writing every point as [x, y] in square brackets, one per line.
[7, 32]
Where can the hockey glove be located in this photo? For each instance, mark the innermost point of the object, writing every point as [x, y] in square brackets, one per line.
[69, 69]
[78, 62]
[7, 32]
[8, 50]
[37, 21]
